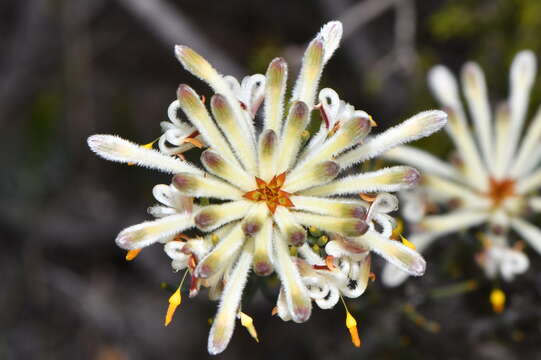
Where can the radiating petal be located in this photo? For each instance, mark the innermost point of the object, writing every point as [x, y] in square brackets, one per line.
[296, 295]
[394, 252]
[501, 132]
[212, 217]
[310, 176]
[334, 207]
[475, 91]
[422, 160]
[529, 183]
[263, 262]
[198, 115]
[222, 254]
[393, 276]
[149, 232]
[522, 76]
[416, 127]
[274, 95]
[352, 132]
[530, 144]
[388, 180]
[453, 221]
[243, 145]
[114, 148]
[217, 165]
[292, 232]
[290, 141]
[224, 321]
[205, 186]
[198, 66]
[268, 154]
[474, 168]
[529, 232]
[452, 190]
[343, 226]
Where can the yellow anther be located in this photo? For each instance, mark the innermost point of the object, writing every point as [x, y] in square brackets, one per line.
[146, 146]
[132, 254]
[407, 243]
[323, 240]
[373, 122]
[351, 324]
[248, 323]
[314, 231]
[399, 228]
[497, 299]
[293, 250]
[214, 238]
[174, 302]
[316, 248]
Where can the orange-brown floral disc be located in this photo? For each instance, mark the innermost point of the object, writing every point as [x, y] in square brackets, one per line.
[500, 190]
[271, 192]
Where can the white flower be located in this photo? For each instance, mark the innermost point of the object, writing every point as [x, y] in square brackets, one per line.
[493, 179]
[265, 188]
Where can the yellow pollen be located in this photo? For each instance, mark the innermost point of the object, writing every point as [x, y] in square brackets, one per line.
[248, 323]
[132, 254]
[497, 299]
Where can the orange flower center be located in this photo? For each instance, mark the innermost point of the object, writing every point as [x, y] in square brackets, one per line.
[500, 190]
[270, 192]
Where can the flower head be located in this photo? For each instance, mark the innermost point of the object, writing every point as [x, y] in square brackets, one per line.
[267, 186]
[492, 178]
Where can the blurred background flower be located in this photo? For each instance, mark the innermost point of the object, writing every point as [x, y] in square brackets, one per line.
[71, 68]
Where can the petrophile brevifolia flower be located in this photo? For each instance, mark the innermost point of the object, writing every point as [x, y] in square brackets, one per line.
[261, 188]
[492, 179]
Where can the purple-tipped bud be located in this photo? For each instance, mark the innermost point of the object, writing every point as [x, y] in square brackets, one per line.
[299, 110]
[301, 314]
[251, 227]
[184, 182]
[263, 268]
[328, 170]
[276, 72]
[297, 237]
[204, 220]
[358, 212]
[412, 177]
[220, 109]
[211, 160]
[354, 228]
[268, 142]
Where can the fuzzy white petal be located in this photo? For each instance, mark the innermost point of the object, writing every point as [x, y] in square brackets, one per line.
[149, 232]
[224, 321]
[114, 148]
[416, 127]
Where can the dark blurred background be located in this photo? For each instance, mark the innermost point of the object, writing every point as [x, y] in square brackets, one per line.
[71, 68]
